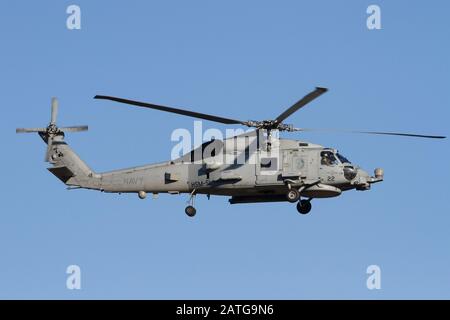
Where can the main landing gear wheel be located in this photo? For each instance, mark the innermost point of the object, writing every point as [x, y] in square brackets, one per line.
[304, 206]
[190, 211]
[293, 195]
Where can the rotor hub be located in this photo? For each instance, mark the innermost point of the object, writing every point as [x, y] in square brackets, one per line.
[52, 129]
[269, 125]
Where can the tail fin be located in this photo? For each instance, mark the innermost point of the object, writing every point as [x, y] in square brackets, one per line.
[69, 168]
[67, 165]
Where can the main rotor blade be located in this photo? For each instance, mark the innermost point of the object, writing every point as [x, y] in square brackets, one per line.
[28, 130]
[54, 110]
[414, 135]
[173, 110]
[302, 102]
[74, 129]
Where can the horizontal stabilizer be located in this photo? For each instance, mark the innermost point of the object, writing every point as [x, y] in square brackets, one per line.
[62, 173]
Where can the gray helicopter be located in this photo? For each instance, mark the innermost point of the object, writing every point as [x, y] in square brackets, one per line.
[252, 167]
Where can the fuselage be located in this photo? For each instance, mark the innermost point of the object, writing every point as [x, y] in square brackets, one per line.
[242, 171]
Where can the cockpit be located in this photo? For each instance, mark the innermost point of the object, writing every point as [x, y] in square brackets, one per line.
[330, 158]
[327, 158]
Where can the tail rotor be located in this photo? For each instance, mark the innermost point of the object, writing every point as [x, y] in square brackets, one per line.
[52, 130]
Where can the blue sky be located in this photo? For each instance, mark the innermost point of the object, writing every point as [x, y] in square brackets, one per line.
[246, 60]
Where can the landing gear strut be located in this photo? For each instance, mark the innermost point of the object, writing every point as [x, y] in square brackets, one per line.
[304, 206]
[190, 210]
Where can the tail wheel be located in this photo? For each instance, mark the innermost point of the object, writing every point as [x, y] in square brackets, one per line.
[304, 206]
[190, 211]
[293, 195]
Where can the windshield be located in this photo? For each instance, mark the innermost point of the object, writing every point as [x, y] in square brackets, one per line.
[342, 158]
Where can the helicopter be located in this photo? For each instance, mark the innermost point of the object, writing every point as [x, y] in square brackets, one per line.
[252, 167]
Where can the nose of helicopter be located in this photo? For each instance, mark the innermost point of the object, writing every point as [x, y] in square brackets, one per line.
[363, 180]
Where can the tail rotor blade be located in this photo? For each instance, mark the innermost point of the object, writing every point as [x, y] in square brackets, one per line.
[28, 130]
[74, 129]
[54, 110]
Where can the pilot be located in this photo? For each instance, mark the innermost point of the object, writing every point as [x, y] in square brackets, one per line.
[325, 159]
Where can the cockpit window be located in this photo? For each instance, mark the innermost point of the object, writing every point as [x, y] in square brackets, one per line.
[328, 158]
[342, 158]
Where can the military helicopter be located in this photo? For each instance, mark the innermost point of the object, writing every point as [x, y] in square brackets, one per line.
[252, 167]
